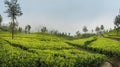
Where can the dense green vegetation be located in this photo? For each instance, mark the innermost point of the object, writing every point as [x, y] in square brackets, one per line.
[49, 50]
[12, 56]
[45, 50]
[101, 45]
[106, 46]
[112, 34]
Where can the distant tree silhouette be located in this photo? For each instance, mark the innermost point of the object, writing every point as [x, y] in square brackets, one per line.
[54, 32]
[13, 10]
[78, 34]
[44, 29]
[117, 23]
[85, 29]
[102, 27]
[97, 30]
[27, 28]
[0, 21]
[102, 30]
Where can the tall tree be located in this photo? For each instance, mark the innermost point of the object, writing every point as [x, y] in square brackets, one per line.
[102, 30]
[97, 30]
[44, 29]
[117, 23]
[29, 27]
[78, 34]
[102, 27]
[85, 29]
[0, 20]
[13, 10]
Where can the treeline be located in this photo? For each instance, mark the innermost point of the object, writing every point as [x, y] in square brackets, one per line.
[99, 30]
[17, 28]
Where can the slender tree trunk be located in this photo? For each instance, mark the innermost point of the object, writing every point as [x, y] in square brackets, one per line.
[13, 28]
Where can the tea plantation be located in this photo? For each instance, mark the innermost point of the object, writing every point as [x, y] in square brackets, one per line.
[46, 50]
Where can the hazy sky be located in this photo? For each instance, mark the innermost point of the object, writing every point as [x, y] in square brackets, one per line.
[66, 15]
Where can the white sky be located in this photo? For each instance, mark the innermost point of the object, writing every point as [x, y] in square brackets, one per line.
[66, 15]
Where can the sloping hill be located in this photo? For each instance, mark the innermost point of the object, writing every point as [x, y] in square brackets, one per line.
[112, 34]
[44, 50]
[109, 47]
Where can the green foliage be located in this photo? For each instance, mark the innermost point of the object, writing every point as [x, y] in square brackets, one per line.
[13, 56]
[45, 50]
[112, 34]
[81, 41]
[100, 45]
[36, 44]
[106, 46]
[13, 9]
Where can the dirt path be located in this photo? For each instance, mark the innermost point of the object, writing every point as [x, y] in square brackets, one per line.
[113, 62]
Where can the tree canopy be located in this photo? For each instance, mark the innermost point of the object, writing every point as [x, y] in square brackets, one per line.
[117, 23]
[85, 29]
